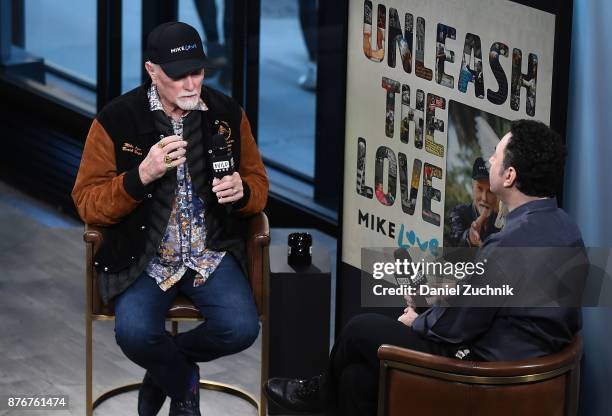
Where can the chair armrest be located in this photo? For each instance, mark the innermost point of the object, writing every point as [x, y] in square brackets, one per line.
[259, 230]
[93, 237]
[257, 242]
[569, 356]
[424, 360]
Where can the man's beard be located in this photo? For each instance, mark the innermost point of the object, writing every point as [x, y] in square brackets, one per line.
[188, 103]
[480, 207]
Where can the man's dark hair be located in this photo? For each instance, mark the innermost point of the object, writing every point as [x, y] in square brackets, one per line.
[536, 153]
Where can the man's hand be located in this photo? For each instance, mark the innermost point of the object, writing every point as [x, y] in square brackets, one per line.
[229, 188]
[408, 317]
[166, 154]
[476, 227]
[409, 301]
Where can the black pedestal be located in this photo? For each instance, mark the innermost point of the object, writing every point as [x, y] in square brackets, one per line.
[299, 316]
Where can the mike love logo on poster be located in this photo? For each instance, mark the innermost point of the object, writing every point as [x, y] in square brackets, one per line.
[405, 237]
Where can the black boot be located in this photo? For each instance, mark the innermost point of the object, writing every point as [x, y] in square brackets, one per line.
[190, 405]
[150, 397]
[298, 396]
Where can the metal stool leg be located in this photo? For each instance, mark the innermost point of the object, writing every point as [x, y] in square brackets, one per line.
[88, 365]
[263, 400]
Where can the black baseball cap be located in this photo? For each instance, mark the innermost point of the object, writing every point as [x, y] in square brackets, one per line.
[479, 170]
[177, 48]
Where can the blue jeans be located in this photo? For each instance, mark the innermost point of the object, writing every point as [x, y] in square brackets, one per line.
[231, 325]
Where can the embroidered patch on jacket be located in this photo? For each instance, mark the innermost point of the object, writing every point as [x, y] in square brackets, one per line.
[224, 129]
[128, 147]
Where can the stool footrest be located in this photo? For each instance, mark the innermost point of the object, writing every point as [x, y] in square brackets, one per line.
[204, 384]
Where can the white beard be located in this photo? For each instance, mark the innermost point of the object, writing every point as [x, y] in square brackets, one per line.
[188, 103]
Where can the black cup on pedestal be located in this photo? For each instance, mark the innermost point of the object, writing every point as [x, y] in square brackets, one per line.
[300, 249]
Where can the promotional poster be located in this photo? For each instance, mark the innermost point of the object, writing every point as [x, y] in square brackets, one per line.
[431, 87]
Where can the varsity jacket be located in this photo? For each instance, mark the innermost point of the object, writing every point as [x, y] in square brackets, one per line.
[108, 191]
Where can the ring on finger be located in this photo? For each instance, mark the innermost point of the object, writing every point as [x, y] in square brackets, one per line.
[161, 144]
[168, 161]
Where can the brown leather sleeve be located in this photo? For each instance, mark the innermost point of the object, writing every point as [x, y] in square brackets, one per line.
[252, 171]
[99, 193]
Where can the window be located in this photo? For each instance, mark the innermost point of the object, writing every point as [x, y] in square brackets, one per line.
[131, 56]
[53, 44]
[213, 20]
[287, 86]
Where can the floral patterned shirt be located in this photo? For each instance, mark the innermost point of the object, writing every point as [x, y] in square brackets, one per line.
[184, 243]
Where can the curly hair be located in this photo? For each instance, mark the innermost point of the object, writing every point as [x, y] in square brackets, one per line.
[538, 156]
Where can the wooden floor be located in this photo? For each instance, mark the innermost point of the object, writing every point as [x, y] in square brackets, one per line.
[42, 322]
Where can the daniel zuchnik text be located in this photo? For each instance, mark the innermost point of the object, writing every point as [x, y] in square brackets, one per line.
[446, 290]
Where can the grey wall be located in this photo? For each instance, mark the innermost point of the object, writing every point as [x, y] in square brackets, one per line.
[588, 179]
